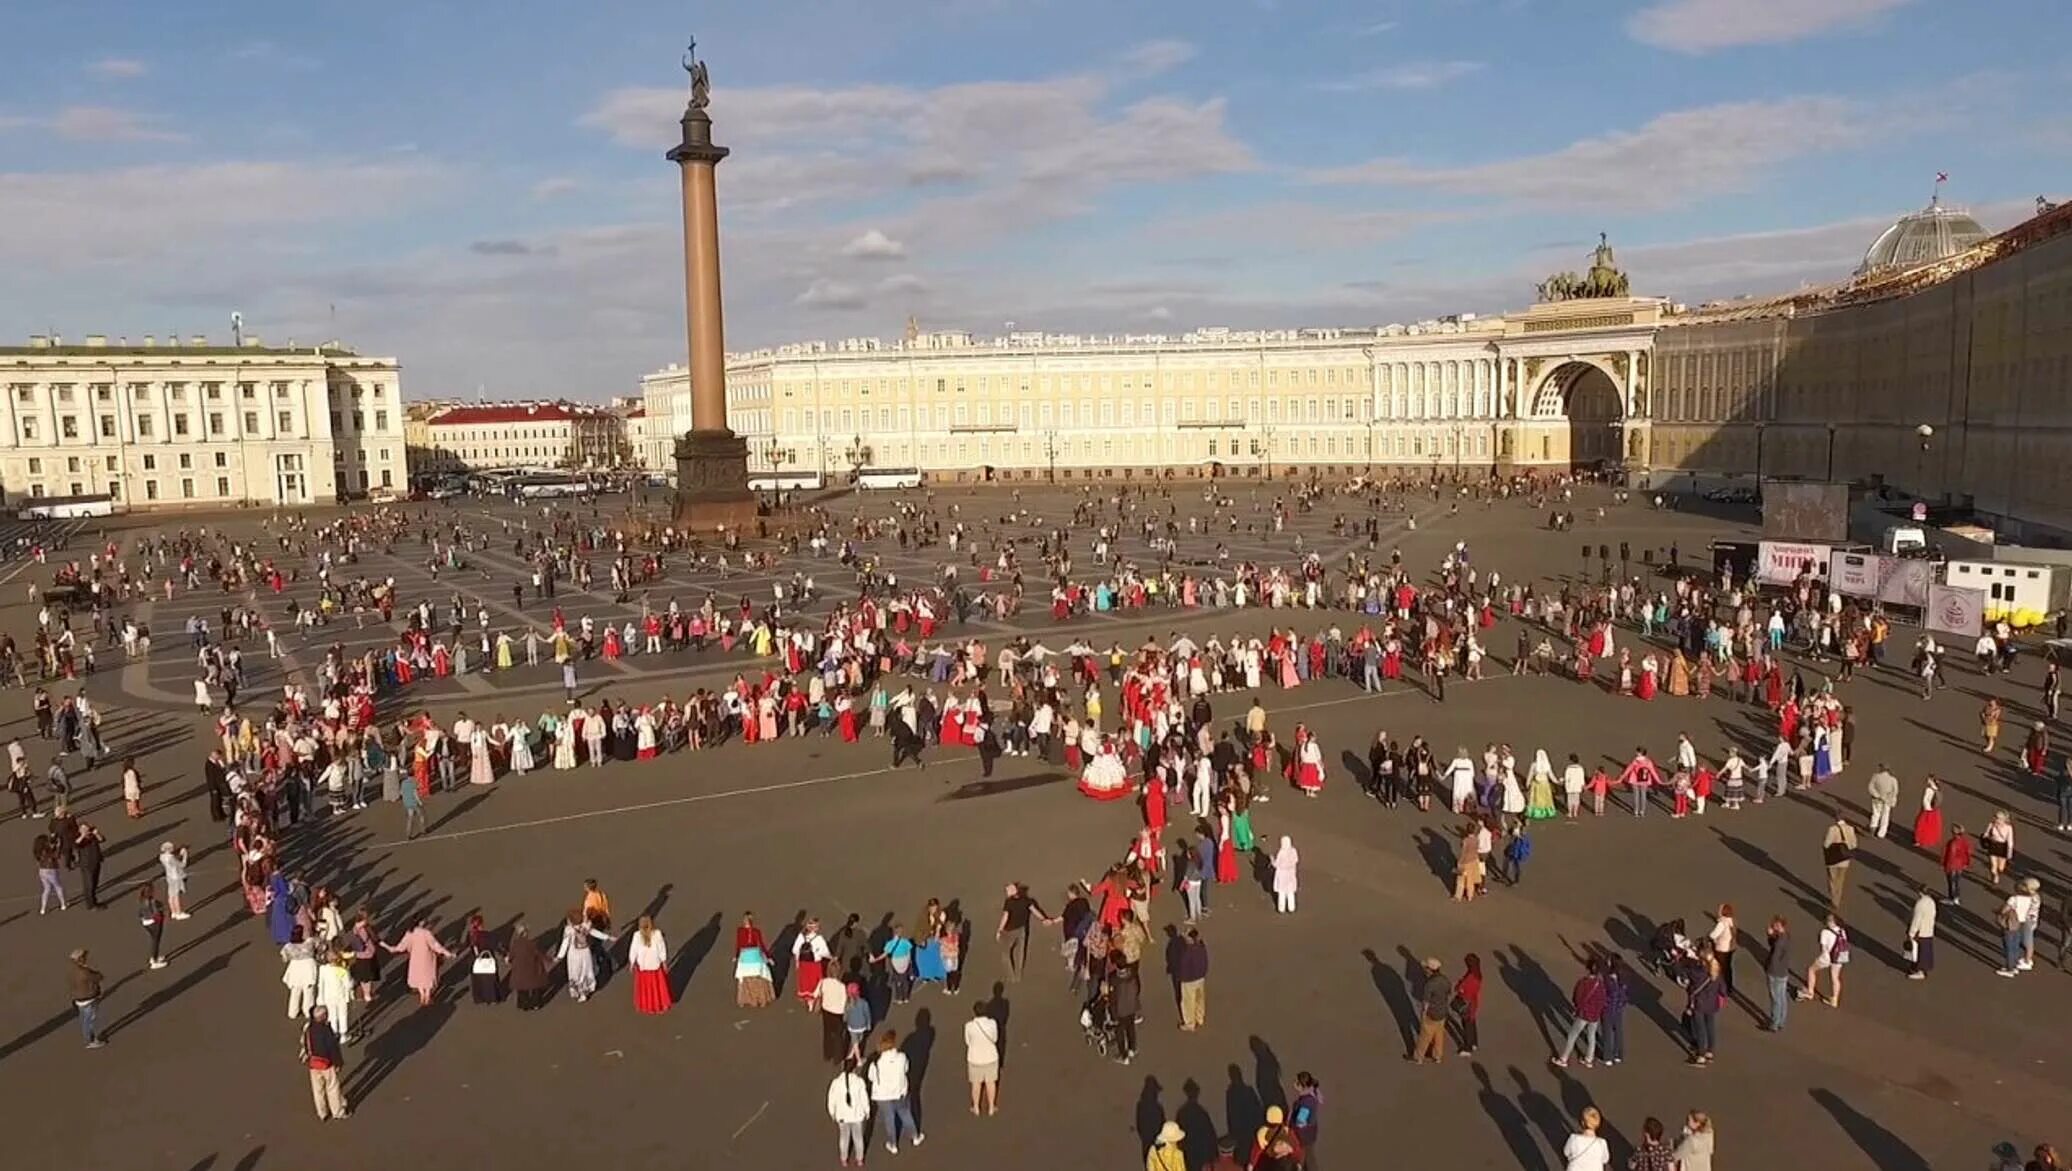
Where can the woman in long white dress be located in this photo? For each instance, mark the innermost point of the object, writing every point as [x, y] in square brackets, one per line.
[564, 745]
[576, 937]
[481, 765]
[521, 749]
[644, 734]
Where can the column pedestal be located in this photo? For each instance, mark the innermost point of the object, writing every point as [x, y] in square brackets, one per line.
[712, 482]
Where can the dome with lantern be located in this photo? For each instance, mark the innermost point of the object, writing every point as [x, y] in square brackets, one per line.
[1936, 232]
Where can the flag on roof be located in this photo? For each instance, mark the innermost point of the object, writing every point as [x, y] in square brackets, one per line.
[1942, 176]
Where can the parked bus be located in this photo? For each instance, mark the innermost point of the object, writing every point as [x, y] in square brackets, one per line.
[786, 482]
[67, 507]
[889, 478]
[549, 487]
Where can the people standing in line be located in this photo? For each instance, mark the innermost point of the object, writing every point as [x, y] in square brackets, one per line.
[1586, 1150]
[1837, 849]
[299, 973]
[1653, 1152]
[1435, 998]
[1304, 1115]
[849, 1105]
[1192, 972]
[84, 981]
[1586, 1004]
[982, 1060]
[889, 1090]
[831, 1000]
[1830, 955]
[413, 812]
[325, 1060]
[1467, 999]
[1920, 944]
[528, 969]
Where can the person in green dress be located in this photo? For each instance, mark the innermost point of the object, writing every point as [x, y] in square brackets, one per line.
[1539, 788]
[1241, 823]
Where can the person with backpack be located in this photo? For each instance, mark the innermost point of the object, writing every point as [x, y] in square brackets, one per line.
[1830, 955]
[1516, 851]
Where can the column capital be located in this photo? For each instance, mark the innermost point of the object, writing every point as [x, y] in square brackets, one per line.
[697, 145]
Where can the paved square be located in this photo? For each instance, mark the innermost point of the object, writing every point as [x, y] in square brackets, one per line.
[201, 1072]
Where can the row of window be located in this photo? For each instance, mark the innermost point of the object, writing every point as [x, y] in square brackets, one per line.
[29, 428]
[65, 393]
[292, 483]
[1174, 381]
[1167, 448]
[1131, 413]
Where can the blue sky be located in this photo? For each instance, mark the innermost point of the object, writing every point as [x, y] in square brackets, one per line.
[480, 190]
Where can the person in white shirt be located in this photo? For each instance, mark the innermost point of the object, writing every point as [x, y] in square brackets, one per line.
[1921, 936]
[849, 1104]
[831, 996]
[1586, 1150]
[888, 1078]
[982, 1060]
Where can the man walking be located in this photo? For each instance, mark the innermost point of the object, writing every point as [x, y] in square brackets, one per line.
[1837, 848]
[1013, 931]
[85, 983]
[1884, 794]
[413, 809]
[1192, 971]
[321, 1053]
[1435, 1001]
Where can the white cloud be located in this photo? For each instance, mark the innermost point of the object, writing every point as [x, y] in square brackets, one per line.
[1375, 29]
[874, 245]
[67, 219]
[272, 55]
[555, 187]
[107, 124]
[828, 293]
[903, 284]
[1700, 26]
[1407, 76]
[118, 67]
[1675, 158]
[1293, 224]
[1154, 57]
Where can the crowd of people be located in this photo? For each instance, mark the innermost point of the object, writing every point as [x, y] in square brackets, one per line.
[1137, 724]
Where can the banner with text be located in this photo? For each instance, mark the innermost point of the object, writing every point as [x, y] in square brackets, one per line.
[1781, 562]
[1956, 610]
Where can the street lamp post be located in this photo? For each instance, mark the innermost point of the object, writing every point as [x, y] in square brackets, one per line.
[1050, 452]
[1266, 438]
[1925, 433]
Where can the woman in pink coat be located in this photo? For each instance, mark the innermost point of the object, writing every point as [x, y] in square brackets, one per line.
[425, 952]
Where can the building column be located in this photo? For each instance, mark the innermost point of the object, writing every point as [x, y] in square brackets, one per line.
[1632, 379]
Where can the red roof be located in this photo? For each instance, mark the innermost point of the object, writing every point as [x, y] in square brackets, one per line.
[486, 413]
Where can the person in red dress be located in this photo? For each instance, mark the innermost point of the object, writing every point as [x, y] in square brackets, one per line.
[1226, 849]
[648, 954]
[1928, 824]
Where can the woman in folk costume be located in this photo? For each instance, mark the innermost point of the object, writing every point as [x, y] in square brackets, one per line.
[766, 715]
[644, 739]
[1145, 852]
[809, 953]
[481, 764]
[1226, 848]
[1928, 824]
[647, 953]
[752, 986]
[1105, 778]
[594, 725]
[1650, 677]
[612, 646]
[421, 761]
[577, 937]
[1539, 796]
[564, 731]
[1679, 674]
[1264, 752]
[845, 717]
[1241, 821]
[520, 748]
[1309, 768]
[503, 651]
[442, 661]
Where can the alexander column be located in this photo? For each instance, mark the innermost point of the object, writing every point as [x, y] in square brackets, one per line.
[711, 461]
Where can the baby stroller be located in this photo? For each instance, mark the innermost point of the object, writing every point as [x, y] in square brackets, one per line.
[1097, 1023]
[1672, 953]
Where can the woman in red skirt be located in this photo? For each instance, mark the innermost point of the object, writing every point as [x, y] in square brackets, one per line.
[648, 954]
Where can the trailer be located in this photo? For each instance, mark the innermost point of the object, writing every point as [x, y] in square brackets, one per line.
[2020, 594]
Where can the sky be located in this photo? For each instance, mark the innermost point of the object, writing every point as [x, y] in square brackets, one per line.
[480, 190]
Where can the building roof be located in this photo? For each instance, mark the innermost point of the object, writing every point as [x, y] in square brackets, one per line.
[482, 414]
[44, 347]
[1933, 234]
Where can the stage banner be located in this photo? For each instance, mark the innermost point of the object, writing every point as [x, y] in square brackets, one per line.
[1906, 582]
[1781, 562]
[1855, 575]
[1958, 611]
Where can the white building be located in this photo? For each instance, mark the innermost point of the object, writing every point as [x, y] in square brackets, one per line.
[173, 424]
[525, 435]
